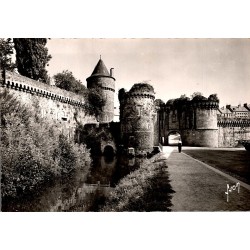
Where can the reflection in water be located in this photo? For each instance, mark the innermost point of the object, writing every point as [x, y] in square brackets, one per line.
[79, 191]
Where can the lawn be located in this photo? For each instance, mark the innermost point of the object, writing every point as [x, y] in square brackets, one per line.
[233, 162]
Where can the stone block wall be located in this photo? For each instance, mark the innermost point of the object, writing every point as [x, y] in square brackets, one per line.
[200, 137]
[206, 118]
[231, 132]
[107, 85]
[59, 107]
[138, 119]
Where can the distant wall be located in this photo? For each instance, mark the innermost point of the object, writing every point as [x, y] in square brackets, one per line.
[232, 131]
[200, 137]
[196, 121]
[60, 107]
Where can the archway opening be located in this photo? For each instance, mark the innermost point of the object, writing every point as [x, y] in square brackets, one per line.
[173, 138]
[108, 151]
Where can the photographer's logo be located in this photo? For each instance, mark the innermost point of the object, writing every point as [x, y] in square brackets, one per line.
[232, 188]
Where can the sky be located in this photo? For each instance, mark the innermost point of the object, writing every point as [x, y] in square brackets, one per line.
[172, 66]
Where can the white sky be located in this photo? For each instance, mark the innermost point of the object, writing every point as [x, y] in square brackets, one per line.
[172, 66]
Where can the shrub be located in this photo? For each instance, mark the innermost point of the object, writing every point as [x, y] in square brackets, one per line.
[31, 150]
[94, 102]
[146, 189]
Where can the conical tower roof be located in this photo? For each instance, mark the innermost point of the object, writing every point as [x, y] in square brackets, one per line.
[100, 69]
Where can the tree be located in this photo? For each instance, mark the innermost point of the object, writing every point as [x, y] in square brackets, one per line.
[94, 102]
[196, 94]
[67, 81]
[159, 102]
[121, 94]
[6, 50]
[213, 97]
[32, 57]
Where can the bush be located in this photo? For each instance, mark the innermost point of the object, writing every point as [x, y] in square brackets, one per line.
[31, 150]
[94, 102]
[146, 189]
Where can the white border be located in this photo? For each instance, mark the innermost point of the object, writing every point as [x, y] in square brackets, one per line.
[125, 19]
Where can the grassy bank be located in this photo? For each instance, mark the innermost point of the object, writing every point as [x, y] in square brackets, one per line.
[232, 162]
[145, 189]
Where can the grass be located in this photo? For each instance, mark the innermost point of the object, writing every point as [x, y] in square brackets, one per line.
[146, 189]
[233, 162]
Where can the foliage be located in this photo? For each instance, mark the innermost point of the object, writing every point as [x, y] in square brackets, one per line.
[94, 102]
[183, 96]
[199, 98]
[142, 87]
[32, 57]
[196, 94]
[67, 81]
[145, 189]
[159, 102]
[6, 50]
[121, 94]
[213, 97]
[31, 150]
[178, 102]
[89, 136]
[170, 102]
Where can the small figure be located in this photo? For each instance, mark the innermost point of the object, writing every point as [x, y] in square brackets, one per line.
[179, 145]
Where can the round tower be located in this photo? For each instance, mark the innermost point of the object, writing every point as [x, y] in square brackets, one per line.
[104, 80]
[137, 115]
[205, 122]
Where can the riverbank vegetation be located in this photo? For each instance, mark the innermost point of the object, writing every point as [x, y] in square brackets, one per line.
[145, 189]
[32, 151]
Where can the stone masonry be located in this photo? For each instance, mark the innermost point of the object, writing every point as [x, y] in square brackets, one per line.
[144, 121]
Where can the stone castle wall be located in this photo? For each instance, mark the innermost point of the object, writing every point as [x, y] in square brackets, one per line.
[206, 133]
[196, 121]
[138, 119]
[143, 124]
[231, 132]
[60, 107]
[206, 118]
[200, 137]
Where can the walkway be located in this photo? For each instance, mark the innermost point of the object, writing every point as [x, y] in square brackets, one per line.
[199, 188]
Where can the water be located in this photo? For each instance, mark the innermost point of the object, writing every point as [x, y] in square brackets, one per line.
[79, 191]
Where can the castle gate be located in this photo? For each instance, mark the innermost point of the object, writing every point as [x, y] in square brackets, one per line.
[173, 138]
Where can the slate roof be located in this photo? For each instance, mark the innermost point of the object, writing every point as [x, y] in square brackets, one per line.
[224, 110]
[100, 69]
[239, 108]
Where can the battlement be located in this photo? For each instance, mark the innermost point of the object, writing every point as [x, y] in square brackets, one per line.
[226, 122]
[205, 104]
[21, 83]
[140, 90]
[185, 103]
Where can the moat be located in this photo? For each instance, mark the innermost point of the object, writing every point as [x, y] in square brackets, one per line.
[79, 191]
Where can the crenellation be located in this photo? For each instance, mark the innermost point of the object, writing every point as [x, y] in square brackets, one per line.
[144, 122]
[48, 99]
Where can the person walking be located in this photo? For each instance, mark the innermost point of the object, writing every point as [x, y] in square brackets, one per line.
[179, 145]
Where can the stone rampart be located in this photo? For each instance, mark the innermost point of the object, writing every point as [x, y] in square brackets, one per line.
[138, 118]
[62, 108]
[233, 131]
